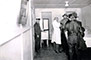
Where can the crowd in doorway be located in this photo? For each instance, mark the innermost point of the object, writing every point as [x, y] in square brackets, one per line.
[67, 36]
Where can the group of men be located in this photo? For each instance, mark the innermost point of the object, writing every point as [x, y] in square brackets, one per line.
[71, 35]
[67, 34]
[75, 32]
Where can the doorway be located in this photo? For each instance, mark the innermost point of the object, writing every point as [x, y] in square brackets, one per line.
[46, 24]
[45, 32]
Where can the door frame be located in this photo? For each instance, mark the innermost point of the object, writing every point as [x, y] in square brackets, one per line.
[48, 26]
[50, 20]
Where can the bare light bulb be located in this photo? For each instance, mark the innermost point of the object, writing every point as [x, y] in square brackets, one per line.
[66, 3]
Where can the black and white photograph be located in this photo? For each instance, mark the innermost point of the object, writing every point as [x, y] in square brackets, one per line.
[45, 30]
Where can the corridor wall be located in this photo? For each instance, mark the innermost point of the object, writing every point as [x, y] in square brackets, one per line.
[86, 17]
[15, 41]
[56, 12]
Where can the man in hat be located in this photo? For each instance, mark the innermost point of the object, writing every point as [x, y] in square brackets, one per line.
[37, 33]
[73, 28]
[63, 39]
[79, 22]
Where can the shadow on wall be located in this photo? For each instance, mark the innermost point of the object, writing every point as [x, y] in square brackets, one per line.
[88, 30]
[22, 19]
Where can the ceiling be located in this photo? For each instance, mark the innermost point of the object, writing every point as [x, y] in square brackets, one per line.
[60, 3]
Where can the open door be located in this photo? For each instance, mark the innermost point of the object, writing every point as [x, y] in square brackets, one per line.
[45, 32]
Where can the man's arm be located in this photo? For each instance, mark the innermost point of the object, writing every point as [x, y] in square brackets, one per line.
[66, 30]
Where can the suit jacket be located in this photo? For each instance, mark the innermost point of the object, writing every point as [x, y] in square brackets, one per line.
[63, 22]
[73, 26]
[82, 29]
[37, 29]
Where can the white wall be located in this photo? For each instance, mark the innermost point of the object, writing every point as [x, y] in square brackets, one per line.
[27, 47]
[19, 48]
[11, 50]
[56, 11]
[9, 10]
[86, 17]
[86, 20]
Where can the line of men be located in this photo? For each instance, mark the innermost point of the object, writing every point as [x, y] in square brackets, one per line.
[67, 36]
[71, 38]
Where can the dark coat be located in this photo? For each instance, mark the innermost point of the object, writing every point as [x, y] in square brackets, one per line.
[73, 28]
[37, 29]
[63, 39]
[37, 33]
[76, 27]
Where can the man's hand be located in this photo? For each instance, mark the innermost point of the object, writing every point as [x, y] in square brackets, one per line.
[66, 35]
[37, 35]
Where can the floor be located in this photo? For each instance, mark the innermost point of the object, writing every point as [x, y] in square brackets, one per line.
[49, 54]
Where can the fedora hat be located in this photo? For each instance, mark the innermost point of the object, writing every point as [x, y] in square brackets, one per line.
[73, 14]
[65, 15]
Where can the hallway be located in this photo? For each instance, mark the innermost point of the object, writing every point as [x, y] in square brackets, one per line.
[49, 54]
[17, 28]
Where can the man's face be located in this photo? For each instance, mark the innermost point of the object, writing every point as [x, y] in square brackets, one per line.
[57, 19]
[65, 16]
[37, 21]
[72, 17]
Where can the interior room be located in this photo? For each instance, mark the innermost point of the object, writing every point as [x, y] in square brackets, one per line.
[17, 32]
[49, 9]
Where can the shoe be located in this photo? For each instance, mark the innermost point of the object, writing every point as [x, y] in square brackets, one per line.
[56, 51]
[60, 51]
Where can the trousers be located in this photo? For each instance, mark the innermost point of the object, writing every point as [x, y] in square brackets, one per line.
[37, 43]
[74, 53]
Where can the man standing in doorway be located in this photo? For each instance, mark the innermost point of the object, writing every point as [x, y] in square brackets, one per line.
[37, 32]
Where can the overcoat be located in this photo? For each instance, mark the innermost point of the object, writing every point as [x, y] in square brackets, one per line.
[56, 36]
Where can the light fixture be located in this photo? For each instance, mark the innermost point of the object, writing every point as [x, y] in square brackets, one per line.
[66, 3]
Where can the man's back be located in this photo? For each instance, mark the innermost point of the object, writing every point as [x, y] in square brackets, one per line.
[73, 27]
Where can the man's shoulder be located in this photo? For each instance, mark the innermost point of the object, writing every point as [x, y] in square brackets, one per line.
[64, 19]
[68, 22]
[77, 21]
[35, 24]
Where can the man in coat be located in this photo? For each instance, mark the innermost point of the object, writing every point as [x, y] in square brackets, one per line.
[73, 28]
[56, 36]
[37, 33]
[63, 39]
